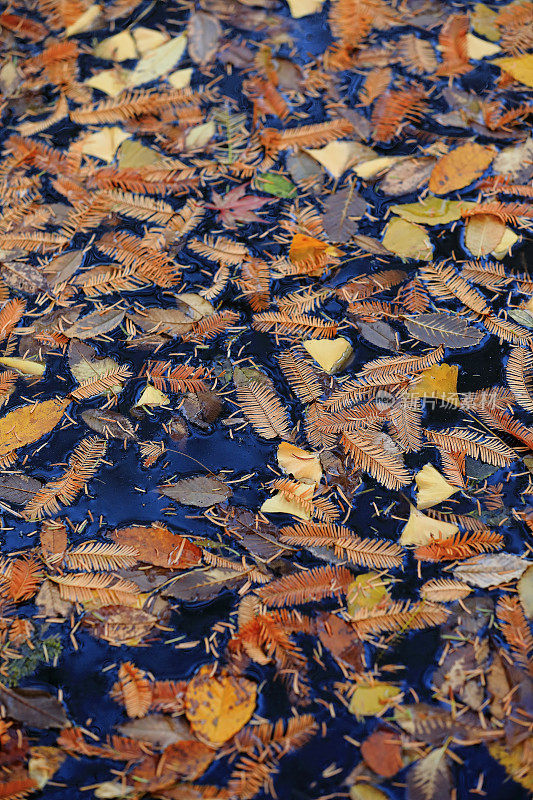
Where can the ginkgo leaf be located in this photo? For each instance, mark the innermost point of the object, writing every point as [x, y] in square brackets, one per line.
[433, 488]
[421, 529]
[483, 234]
[158, 61]
[373, 698]
[337, 157]
[303, 8]
[331, 354]
[302, 464]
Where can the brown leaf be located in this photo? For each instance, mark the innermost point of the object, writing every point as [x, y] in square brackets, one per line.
[341, 640]
[33, 707]
[159, 546]
[204, 32]
[201, 491]
[95, 324]
[460, 167]
[382, 752]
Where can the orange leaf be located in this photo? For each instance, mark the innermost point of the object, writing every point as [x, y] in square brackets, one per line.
[159, 546]
[460, 168]
[217, 706]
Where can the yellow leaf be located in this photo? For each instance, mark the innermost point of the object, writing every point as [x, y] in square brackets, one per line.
[460, 167]
[370, 699]
[148, 39]
[159, 61]
[508, 240]
[518, 67]
[407, 240]
[433, 488]
[439, 382]
[24, 365]
[280, 504]
[181, 78]
[218, 706]
[44, 762]
[111, 81]
[331, 354]
[305, 466]
[28, 423]
[367, 591]
[85, 22]
[483, 22]
[368, 169]
[478, 48]
[337, 157]
[133, 153]
[119, 47]
[431, 210]
[200, 135]
[483, 234]
[152, 397]
[421, 529]
[525, 590]
[302, 8]
[365, 791]
[104, 143]
[516, 761]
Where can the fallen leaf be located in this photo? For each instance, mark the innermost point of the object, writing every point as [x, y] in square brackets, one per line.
[337, 157]
[440, 328]
[330, 354]
[201, 491]
[494, 569]
[483, 234]
[152, 397]
[28, 423]
[421, 529]
[204, 31]
[33, 707]
[303, 8]
[433, 488]
[157, 545]
[218, 706]
[26, 366]
[95, 324]
[280, 504]
[431, 210]
[518, 67]
[104, 143]
[478, 49]
[158, 61]
[110, 424]
[372, 698]
[200, 135]
[407, 240]
[302, 464]
[158, 730]
[340, 211]
[368, 590]
[341, 640]
[406, 176]
[382, 752]
[18, 489]
[119, 47]
[439, 382]
[460, 168]
[525, 590]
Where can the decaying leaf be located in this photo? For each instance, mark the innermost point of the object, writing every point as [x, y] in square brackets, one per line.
[201, 492]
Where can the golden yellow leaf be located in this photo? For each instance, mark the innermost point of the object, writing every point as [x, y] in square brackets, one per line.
[305, 466]
[199, 135]
[28, 423]
[337, 157]
[439, 382]
[407, 240]
[280, 504]
[370, 699]
[152, 397]
[483, 234]
[148, 39]
[432, 210]
[217, 706]
[483, 22]
[368, 169]
[111, 81]
[421, 529]
[433, 488]
[365, 791]
[302, 8]
[518, 67]
[479, 48]
[516, 761]
[119, 47]
[104, 143]
[507, 241]
[85, 22]
[158, 61]
[460, 167]
[24, 365]
[331, 354]
[367, 591]
[181, 78]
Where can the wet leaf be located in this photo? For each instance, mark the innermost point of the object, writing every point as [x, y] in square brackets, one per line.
[491, 570]
[157, 545]
[382, 752]
[159, 730]
[110, 424]
[18, 489]
[273, 183]
[373, 698]
[407, 240]
[519, 67]
[33, 707]
[340, 212]
[204, 31]
[218, 706]
[95, 324]
[483, 234]
[460, 168]
[201, 492]
[28, 423]
[441, 328]
[433, 488]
